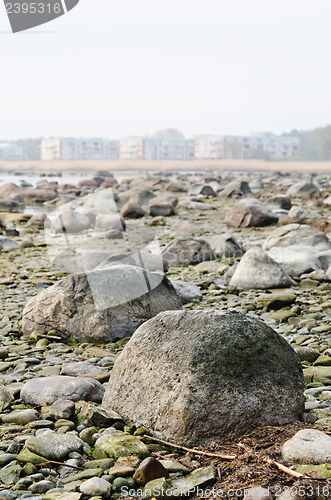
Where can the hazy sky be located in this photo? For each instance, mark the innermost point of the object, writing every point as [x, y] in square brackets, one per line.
[118, 67]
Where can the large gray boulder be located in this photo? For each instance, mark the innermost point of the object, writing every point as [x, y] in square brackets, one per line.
[188, 292]
[308, 446]
[102, 304]
[296, 259]
[236, 189]
[40, 390]
[71, 221]
[37, 195]
[225, 245]
[108, 222]
[141, 197]
[299, 213]
[257, 269]
[299, 248]
[203, 189]
[279, 201]
[54, 446]
[188, 251]
[193, 377]
[6, 244]
[132, 211]
[297, 234]
[302, 188]
[37, 221]
[161, 206]
[250, 213]
[8, 205]
[175, 187]
[9, 188]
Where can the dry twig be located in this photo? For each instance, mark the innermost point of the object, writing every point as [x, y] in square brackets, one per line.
[279, 466]
[61, 463]
[191, 450]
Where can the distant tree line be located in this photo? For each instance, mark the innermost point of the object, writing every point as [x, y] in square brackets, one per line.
[31, 148]
[315, 144]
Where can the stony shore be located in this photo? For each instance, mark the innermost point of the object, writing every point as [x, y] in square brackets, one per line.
[79, 432]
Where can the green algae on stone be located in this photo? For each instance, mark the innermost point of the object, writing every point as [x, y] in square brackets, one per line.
[120, 483]
[172, 466]
[78, 476]
[64, 422]
[158, 488]
[282, 315]
[317, 374]
[324, 424]
[122, 445]
[86, 435]
[29, 469]
[102, 463]
[323, 361]
[320, 413]
[99, 454]
[308, 283]
[321, 329]
[199, 477]
[276, 300]
[299, 339]
[26, 456]
[10, 473]
[179, 487]
[323, 471]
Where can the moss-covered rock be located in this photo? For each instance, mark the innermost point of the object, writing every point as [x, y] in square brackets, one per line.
[323, 471]
[78, 476]
[10, 473]
[323, 361]
[26, 456]
[317, 374]
[122, 444]
[103, 463]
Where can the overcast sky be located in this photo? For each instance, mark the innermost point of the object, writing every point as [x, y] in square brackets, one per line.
[126, 67]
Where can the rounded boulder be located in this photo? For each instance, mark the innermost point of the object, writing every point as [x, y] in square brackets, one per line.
[193, 377]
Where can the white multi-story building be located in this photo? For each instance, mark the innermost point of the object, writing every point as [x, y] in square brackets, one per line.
[131, 148]
[156, 148]
[270, 145]
[209, 147]
[78, 149]
[50, 149]
[168, 148]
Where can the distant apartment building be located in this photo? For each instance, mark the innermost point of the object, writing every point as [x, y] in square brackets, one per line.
[131, 148]
[209, 147]
[50, 149]
[284, 147]
[11, 152]
[97, 149]
[78, 149]
[168, 148]
[165, 146]
[269, 145]
[156, 148]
